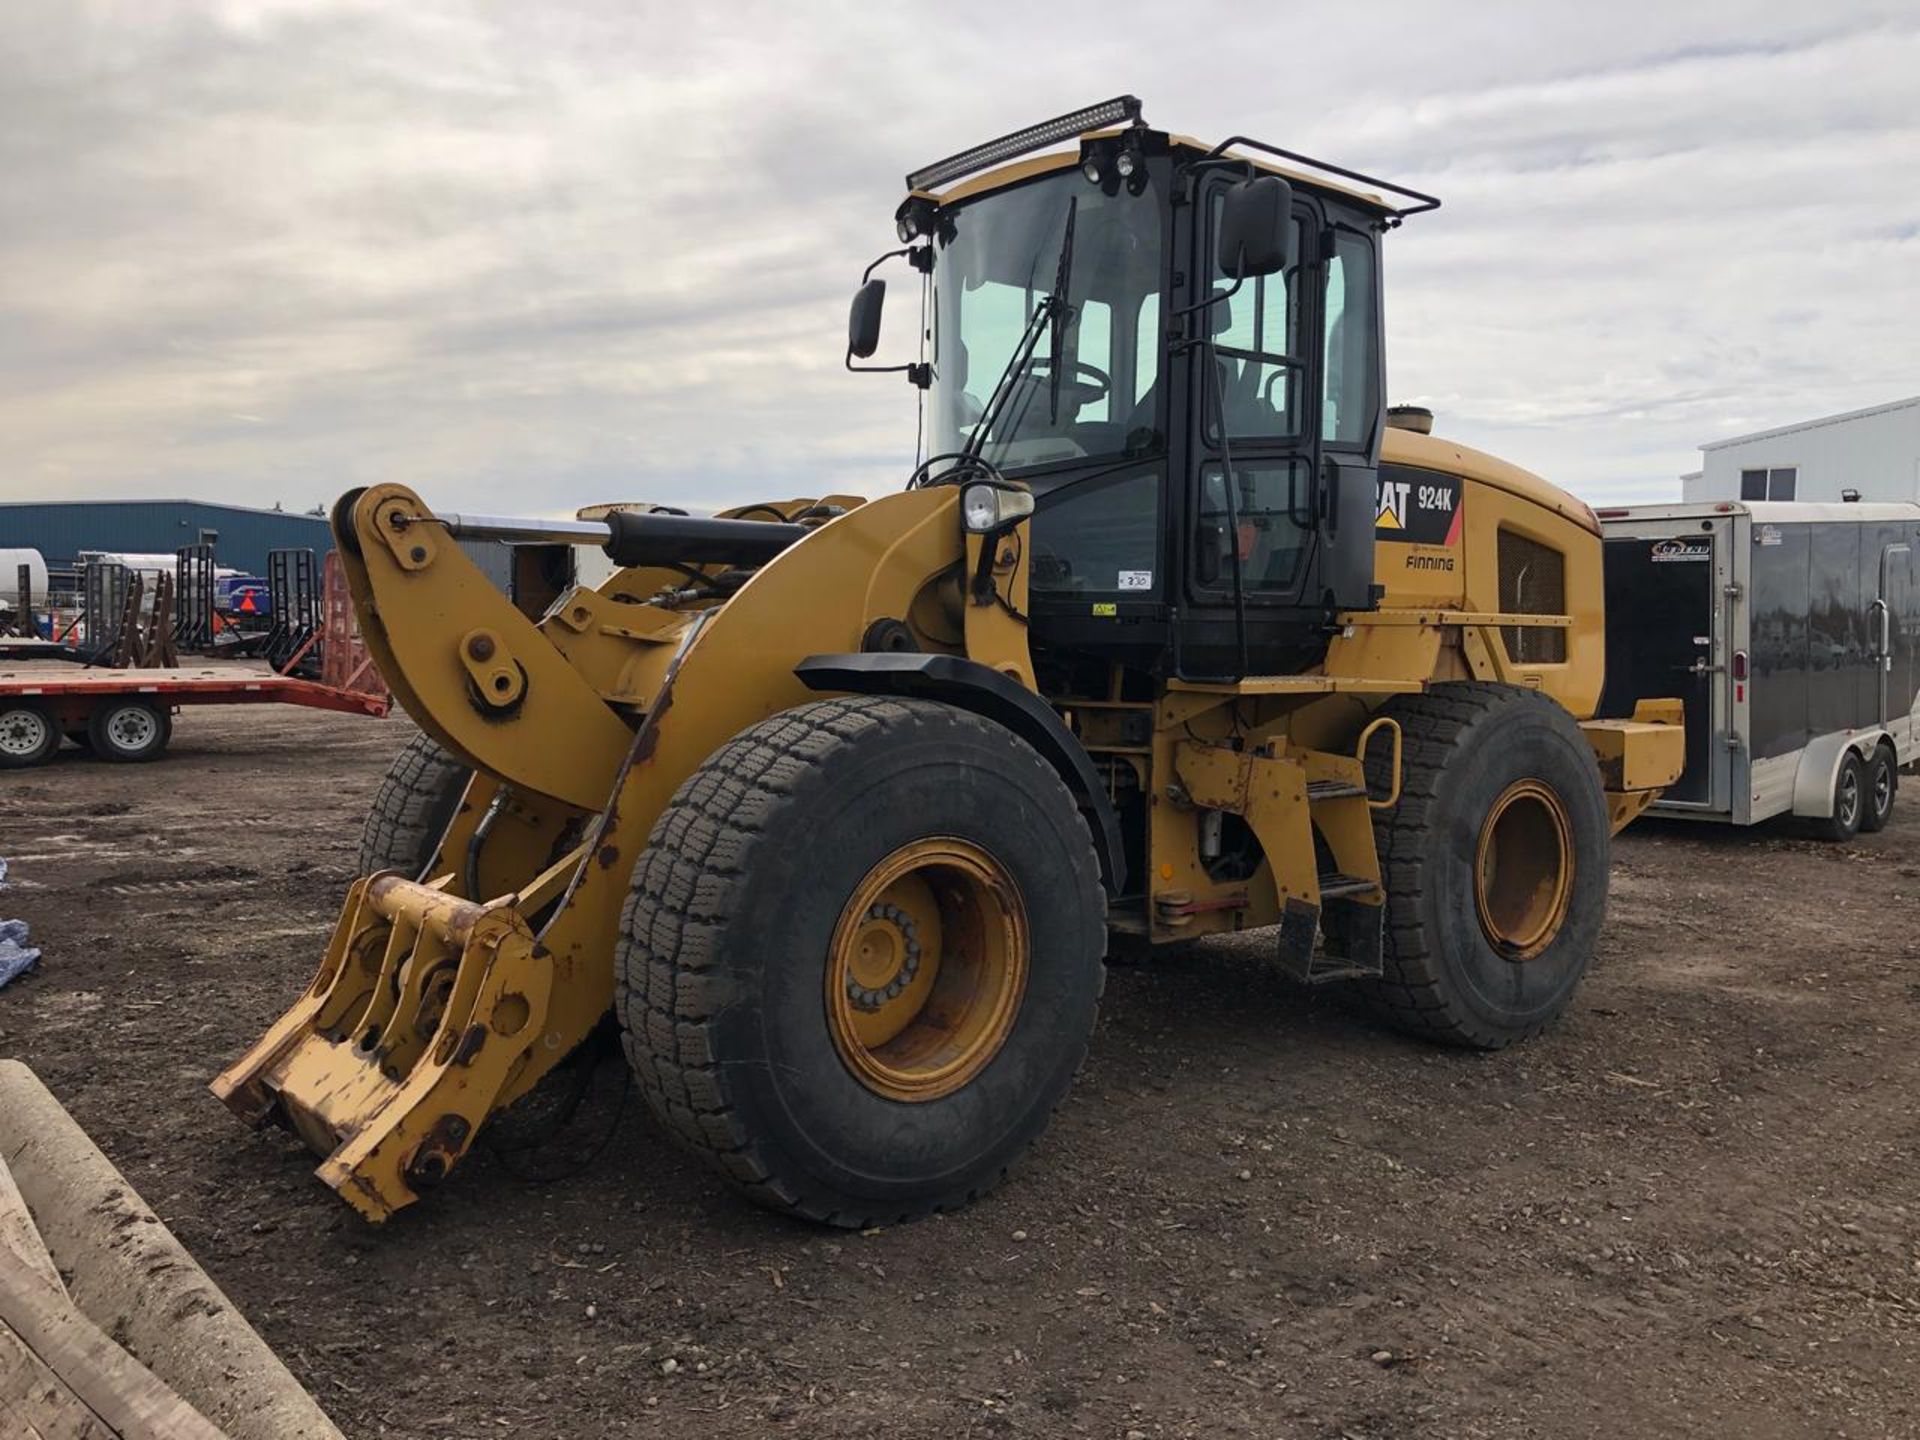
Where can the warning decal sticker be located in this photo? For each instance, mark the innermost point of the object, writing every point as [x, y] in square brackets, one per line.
[1417, 507]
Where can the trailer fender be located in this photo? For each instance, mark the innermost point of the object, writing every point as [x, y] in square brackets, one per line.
[969, 685]
[1818, 773]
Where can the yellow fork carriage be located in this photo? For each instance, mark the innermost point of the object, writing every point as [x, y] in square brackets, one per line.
[838, 805]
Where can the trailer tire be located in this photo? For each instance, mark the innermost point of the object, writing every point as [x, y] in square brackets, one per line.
[1495, 861]
[774, 935]
[28, 735]
[1850, 803]
[416, 799]
[1881, 785]
[128, 731]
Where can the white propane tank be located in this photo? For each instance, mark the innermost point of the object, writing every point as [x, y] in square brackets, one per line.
[10, 563]
[155, 564]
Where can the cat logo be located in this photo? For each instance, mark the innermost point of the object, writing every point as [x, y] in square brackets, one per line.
[1417, 507]
[1392, 505]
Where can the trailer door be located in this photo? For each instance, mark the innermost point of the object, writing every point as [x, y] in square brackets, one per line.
[1893, 641]
[1665, 637]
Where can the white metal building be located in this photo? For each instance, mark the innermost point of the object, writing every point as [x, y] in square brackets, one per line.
[1874, 452]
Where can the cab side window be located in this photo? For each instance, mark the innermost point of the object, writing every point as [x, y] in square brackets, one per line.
[1254, 394]
[1350, 389]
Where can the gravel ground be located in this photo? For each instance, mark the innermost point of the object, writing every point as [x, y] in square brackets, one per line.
[1689, 1209]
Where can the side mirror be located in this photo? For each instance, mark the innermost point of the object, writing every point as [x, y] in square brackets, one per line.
[1256, 228]
[863, 321]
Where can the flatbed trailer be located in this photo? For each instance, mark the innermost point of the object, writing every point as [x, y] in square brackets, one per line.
[127, 715]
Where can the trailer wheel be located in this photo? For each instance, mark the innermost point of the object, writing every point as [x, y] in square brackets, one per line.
[1849, 815]
[1881, 785]
[28, 735]
[1495, 861]
[416, 799]
[129, 731]
[861, 957]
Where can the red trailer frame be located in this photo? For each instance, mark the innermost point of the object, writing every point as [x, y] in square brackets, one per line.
[126, 714]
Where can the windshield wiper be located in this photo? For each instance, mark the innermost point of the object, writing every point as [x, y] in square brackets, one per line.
[1062, 273]
[1052, 309]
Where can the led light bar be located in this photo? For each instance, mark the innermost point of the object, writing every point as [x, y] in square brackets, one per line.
[1024, 142]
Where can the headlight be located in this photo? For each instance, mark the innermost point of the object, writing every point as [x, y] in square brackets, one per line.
[986, 508]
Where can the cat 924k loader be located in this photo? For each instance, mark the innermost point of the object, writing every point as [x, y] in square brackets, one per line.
[837, 805]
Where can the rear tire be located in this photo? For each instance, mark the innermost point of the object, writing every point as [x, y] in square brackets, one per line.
[411, 808]
[129, 732]
[740, 938]
[28, 735]
[1849, 802]
[1495, 860]
[1882, 785]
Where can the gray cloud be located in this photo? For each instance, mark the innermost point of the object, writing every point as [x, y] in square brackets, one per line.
[527, 257]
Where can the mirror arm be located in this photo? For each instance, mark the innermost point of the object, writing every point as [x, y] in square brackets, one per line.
[1214, 299]
[867, 274]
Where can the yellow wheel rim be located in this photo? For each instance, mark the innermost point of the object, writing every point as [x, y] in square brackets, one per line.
[1523, 870]
[927, 968]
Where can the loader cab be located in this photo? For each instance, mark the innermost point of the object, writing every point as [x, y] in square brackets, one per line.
[1203, 444]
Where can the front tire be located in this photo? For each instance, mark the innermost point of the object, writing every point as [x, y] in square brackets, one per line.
[1495, 860]
[861, 958]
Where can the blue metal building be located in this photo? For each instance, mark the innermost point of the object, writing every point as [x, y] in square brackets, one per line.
[61, 529]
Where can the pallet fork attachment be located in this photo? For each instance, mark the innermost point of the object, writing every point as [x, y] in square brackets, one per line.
[419, 1019]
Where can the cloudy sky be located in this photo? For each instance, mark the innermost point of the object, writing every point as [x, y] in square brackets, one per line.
[526, 257]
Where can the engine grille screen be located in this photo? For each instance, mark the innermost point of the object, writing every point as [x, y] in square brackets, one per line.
[1533, 581]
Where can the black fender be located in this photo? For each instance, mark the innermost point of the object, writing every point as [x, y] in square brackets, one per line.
[969, 685]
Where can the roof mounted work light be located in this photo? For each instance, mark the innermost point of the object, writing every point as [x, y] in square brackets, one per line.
[1024, 142]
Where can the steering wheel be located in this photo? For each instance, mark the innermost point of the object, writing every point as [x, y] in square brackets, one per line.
[1090, 391]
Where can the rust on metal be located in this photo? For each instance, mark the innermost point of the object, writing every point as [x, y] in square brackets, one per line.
[443, 1144]
[470, 1043]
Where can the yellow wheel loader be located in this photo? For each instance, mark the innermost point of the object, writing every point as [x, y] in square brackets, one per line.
[836, 806]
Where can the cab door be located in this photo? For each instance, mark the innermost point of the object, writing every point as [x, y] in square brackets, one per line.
[1267, 486]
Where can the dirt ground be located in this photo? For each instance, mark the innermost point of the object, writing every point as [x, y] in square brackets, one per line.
[1690, 1209]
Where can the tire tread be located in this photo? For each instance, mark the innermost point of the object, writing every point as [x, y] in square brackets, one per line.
[411, 807]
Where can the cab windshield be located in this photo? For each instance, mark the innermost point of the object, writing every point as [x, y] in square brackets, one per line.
[997, 260]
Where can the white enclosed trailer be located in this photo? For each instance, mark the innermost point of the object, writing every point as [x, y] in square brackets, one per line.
[1792, 633]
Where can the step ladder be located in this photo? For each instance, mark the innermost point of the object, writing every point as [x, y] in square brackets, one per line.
[1343, 938]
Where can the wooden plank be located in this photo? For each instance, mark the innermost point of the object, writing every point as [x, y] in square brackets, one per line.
[34, 1404]
[110, 1382]
[19, 1234]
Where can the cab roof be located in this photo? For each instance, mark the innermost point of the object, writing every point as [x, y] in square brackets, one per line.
[1027, 168]
[1009, 159]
